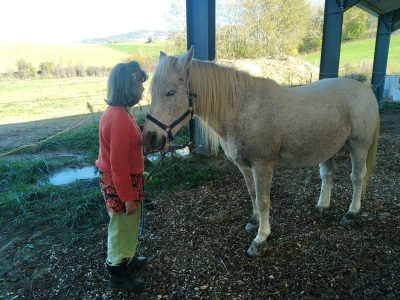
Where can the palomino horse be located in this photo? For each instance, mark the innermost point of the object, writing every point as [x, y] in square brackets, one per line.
[262, 124]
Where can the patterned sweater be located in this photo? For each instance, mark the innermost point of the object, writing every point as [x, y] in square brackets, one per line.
[120, 149]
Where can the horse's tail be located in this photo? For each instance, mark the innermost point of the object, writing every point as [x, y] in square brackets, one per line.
[371, 156]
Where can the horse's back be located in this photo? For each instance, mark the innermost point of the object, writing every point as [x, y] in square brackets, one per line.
[309, 124]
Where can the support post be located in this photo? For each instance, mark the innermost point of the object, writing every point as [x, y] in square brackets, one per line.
[200, 20]
[331, 39]
[381, 55]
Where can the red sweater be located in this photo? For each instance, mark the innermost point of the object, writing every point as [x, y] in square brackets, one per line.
[120, 149]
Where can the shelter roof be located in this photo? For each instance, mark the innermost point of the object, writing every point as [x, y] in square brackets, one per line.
[383, 7]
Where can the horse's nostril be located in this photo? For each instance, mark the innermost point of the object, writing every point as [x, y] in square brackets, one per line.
[152, 139]
[163, 142]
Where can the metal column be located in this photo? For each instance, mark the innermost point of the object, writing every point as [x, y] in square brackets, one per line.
[331, 39]
[200, 20]
[381, 55]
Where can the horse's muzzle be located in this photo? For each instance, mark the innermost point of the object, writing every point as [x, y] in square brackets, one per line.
[154, 141]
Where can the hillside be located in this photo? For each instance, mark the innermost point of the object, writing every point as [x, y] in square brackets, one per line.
[135, 36]
[285, 70]
[355, 53]
[35, 54]
[150, 51]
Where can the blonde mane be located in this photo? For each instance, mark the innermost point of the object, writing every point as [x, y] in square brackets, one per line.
[217, 88]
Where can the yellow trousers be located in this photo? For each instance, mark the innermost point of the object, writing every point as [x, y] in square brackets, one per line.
[123, 233]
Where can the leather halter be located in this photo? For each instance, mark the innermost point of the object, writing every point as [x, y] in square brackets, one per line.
[169, 128]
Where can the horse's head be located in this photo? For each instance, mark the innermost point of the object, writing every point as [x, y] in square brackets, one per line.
[169, 99]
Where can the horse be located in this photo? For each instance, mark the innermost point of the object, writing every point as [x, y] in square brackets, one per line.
[262, 124]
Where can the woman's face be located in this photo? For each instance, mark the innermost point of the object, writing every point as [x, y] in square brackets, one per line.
[141, 88]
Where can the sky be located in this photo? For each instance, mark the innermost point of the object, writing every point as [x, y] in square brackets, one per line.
[67, 21]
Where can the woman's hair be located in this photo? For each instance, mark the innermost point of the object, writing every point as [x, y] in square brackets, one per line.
[123, 84]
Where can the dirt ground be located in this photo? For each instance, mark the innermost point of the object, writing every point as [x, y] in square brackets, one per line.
[286, 70]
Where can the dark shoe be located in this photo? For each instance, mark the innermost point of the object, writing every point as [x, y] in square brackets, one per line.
[119, 279]
[137, 262]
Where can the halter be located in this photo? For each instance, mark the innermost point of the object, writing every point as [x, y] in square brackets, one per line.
[169, 128]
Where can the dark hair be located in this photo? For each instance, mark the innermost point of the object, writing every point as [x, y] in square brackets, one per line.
[123, 84]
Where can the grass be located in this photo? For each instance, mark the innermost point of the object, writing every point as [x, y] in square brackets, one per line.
[70, 54]
[390, 107]
[34, 53]
[355, 52]
[32, 100]
[30, 202]
[149, 51]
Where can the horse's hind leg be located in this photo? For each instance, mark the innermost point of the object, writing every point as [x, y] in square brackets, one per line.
[359, 170]
[327, 173]
[248, 177]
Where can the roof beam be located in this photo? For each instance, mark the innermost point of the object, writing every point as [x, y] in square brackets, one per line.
[200, 21]
[349, 4]
[381, 55]
[331, 39]
[396, 20]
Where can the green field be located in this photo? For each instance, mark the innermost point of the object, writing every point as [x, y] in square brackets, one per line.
[356, 52]
[89, 55]
[150, 51]
[33, 100]
[69, 54]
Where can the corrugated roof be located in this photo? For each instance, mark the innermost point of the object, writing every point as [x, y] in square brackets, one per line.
[379, 7]
[383, 7]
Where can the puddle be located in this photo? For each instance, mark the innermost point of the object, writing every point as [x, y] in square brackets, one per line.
[185, 152]
[70, 175]
[153, 157]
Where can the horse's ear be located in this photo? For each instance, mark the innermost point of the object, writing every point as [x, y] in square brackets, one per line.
[162, 56]
[185, 60]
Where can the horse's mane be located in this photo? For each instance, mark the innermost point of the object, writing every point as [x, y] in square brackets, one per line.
[217, 88]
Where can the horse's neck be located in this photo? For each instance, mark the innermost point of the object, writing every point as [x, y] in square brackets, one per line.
[216, 123]
[214, 102]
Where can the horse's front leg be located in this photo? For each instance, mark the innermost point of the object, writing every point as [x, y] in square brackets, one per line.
[327, 172]
[262, 174]
[248, 177]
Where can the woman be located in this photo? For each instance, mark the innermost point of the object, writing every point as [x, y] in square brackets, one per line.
[121, 167]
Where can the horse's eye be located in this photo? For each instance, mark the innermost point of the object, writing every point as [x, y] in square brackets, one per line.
[170, 93]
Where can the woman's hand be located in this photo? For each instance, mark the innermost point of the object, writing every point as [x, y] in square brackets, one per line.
[145, 175]
[130, 206]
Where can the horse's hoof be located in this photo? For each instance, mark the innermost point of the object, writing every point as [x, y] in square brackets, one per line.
[349, 219]
[250, 227]
[253, 223]
[256, 249]
[317, 211]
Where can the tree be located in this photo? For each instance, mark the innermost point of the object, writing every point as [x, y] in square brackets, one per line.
[249, 28]
[313, 39]
[228, 31]
[25, 69]
[150, 39]
[175, 18]
[354, 23]
[275, 27]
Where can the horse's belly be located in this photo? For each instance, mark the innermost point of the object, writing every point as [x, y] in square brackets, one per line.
[308, 156]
